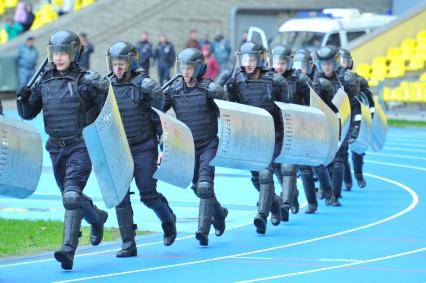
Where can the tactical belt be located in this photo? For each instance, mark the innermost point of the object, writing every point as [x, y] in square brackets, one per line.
[138, 139]
[65, 141]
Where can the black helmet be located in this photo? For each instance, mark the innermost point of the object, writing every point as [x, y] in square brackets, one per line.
[279, 54]
[64, 41]
[193, 57]
[302, 61]
[122, 50]
[251, 51]
[330, 54]
[346, 58]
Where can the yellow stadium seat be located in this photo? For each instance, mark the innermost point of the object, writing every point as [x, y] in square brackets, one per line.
[415, 64]
[364, 70]
[386, 94]
[372, 83]
[393, 53]
[77, 5]
[85, 3]
[2, 8]
[421, 35]
[407, 54]
[380, 60]
[38, 23]
[396, 69]
[47, 13]
[3, 36]
[408, 43]
[423, 77]
[9, 4]
[58, 3]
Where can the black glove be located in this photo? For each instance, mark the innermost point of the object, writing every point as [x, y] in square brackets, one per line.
[354, 134]
[231, 85]
[23, 94]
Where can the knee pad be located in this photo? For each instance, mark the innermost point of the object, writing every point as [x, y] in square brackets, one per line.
[265, 176]
[72, 200]
[205, 190]
[288, 170]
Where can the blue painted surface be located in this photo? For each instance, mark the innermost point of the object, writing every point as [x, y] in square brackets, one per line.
[373, 224]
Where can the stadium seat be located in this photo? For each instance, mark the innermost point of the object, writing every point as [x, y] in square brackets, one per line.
[364, 70]
[2, 8]
[3, 36]
[393, 53]
[396, 69]
[9, 4]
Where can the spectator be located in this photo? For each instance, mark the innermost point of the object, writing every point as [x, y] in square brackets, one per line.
[222, 50]
[164, 58]
[193, 41]
[13, 29]
[212, 65]
[88, 49]
[30, 17]
[144, 48]
[26, 59]
[206, 41]
[20, 14]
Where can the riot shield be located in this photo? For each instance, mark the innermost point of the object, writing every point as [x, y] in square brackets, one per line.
[333, 125]
[341, 101]
[246, 137]
[21, 158]
[362, 142]
[305, 135]
[109, 152]
[380, 127]
[177, 164]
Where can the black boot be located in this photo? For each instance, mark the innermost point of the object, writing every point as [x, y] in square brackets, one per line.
[348, 174]
[311, 209]
[307, 177]
[337, 179]
[360, 180]
[358, 162]
[289, 187]
[266, 194]
[72, 224]
[325, 181]
[276, 210]
[205, 215]
[169, 230]
[295, 206]
[96, 217]
[219, 215]
[127, 231]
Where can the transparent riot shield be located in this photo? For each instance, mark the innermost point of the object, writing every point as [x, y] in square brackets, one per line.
[333, 125]
[177, 164]
[21, 158]
[246, 137]
[306, 135]
[109, 152]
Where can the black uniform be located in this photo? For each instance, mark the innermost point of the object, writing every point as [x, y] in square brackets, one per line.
[194, 106]
[262, 93]
[348, 82]
[70, 101]
[135, 98]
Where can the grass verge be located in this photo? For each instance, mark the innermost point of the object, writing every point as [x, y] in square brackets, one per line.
[20, 237]
[405, 123]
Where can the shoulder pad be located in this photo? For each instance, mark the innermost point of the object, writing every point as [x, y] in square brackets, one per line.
[302, 78]
[216, 90]
[154, 91]
[93, 78]
[326, 85]
[277, 78]
[362, 82]
[349, 76]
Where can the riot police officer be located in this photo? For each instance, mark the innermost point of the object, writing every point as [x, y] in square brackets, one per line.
[70, 98]
[135, 94]
[346, 63]
[191, 97]
[327, 83]
[254, 85]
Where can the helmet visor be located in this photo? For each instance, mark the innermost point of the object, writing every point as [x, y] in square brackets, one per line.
[185, 68]
[345, 62]
[53, 50]
[115, 62]
[329, 65]
[304, 66]
[249, 60]
[280, 61]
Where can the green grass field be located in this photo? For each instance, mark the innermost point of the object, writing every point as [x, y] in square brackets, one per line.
[404, 123]
[19, 237]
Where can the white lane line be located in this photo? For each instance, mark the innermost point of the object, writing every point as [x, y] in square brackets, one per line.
[403, 149]
[335, 267]
[396, 155]
[419, 145]
[396, 165]
[412, 205]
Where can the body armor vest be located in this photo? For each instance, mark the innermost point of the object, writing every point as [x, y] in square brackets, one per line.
[134, 109]
[64, 111]
[196, 111]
